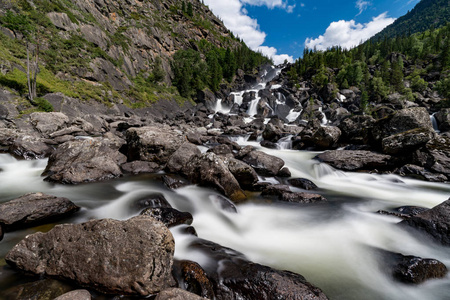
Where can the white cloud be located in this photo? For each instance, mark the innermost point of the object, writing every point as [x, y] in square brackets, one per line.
[235, 18]
[349, 34]
[362, 5]
[290, 8]
[272, 53]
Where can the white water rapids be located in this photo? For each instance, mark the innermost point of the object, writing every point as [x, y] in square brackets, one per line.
[330, 244]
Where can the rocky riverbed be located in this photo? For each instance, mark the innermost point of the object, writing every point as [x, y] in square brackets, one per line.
[198, 145]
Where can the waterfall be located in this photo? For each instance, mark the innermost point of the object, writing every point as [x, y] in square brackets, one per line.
[293, 115]
[285, 142]
[434, 123]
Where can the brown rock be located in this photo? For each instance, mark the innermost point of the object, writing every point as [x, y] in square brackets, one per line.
[120, 257]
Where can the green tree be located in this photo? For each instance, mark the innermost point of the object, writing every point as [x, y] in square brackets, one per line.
[190, 10]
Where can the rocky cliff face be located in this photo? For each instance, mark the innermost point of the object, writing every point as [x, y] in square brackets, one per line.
[103, 45]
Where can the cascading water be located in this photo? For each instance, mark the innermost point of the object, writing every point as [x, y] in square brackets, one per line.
[330, 244]
[434, 123]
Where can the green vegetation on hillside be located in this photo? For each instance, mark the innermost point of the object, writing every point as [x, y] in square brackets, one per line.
[425, 15]
[407, 65]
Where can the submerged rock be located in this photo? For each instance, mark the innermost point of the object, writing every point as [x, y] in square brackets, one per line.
[168, 215]
[238, 278]
[85, 160]
[412, 269]
[41, 290]
[34, 209]
[191, 277]
[120, 257]
[434, 222]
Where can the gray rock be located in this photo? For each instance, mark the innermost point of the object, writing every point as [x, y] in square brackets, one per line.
[406, 141]
[30, 147]
[95, 35]
[209, 169]
[34, 209]
[62, 21]
[105, 71]
[85, 160]
[181, 157]
[412, 269]
[153, 143]
[168, 215]
[326, 137]
[139, 166]
[75, 295]
[177, 294]
[264, 164]
[420, 173]
[434, 223]
[244, 280]
[119, 257]
[303, 183]
[244, 174]
[351, 160]
[356, 129]
[301, 197]
[443, 119]
[435, 156]
[49, 122]
[401, 121]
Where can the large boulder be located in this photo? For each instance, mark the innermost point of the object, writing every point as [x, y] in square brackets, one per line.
[153, 143]
[49, 122]
[435, 156]
[434, 223]
[356, 129]
[234, 277]
[117, 257]
[326, 137]
[76, 294]
[85, 160]
[244, 174]
[263, 163]
[34, 209]
[401, 121]
[406, 141]
[209, 169]
[181, 157]
[352, 160]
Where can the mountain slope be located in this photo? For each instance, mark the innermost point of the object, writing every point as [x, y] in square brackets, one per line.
[426, 14]
[111, 51]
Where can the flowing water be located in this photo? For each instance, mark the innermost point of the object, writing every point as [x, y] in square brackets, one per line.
[330, 244]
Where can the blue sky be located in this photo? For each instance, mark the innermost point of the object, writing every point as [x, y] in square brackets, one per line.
[282, 28]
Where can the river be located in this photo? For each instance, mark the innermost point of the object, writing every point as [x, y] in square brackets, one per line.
[329, 243]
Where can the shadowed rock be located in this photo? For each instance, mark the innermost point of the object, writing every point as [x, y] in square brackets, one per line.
[434, 222]
[34, 209]
[168, 215]
[411, 269]
[351, 160]
[234, 277]
[191, 277]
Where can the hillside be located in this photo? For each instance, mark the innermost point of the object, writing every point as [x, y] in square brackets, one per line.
[426, 14]
[113, 52]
